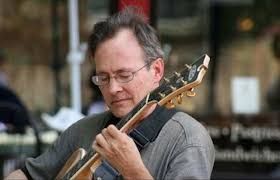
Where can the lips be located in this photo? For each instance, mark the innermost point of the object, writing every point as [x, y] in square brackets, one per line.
[119, 101]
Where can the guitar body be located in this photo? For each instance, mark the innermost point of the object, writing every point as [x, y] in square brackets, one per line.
[74, 158]
[88, 169]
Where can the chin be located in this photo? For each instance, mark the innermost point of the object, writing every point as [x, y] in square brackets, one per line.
[121, 112]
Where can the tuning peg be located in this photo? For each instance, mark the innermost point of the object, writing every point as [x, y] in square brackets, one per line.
[161, 95]
[180, 98]
[188, 66]
[172, 87]
[170, 104]
[190, 93]
[184, 82]
[177, 74]
[166, 80]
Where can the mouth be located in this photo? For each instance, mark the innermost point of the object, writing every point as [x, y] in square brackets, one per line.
[118, 102]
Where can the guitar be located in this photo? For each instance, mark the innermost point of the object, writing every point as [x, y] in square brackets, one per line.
[82, 165]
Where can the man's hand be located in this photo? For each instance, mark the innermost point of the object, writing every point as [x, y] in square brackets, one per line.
[17, 174]
[121, 152]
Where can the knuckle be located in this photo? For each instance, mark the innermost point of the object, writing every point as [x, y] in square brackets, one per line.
[110, 127]
[98, 137]
[103, 131]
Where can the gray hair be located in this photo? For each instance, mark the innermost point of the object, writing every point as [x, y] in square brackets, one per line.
[130, 19]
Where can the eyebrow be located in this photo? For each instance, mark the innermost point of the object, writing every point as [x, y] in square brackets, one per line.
[117, 71]
[101, 73]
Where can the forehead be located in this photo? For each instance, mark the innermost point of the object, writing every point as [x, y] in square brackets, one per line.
[121, 51]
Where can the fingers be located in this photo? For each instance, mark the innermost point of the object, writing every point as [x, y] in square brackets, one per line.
[107, 137]
[117, 135]
[105, 142]
[110, 139]
[102, 140]
[116, 147]
[114, 132]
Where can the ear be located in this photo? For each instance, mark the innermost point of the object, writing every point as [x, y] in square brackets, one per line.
[158, 69]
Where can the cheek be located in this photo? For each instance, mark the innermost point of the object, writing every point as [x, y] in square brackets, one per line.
[105, 95]
[142, 88]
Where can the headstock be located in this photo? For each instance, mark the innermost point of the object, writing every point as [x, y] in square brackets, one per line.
[181, 83]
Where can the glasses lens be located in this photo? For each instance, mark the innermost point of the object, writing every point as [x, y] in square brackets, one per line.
[121, 77]
[124, 77]
[100, 80]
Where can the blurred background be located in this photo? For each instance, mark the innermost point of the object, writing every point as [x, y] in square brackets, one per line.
[238, 100]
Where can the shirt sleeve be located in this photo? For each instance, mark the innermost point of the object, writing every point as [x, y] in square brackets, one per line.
[79, 135]
[193, 155]
[47, 165]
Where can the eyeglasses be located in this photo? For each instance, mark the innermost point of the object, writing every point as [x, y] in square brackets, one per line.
[120, 77]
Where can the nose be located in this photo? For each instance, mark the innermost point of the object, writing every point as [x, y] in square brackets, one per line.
[114, 86]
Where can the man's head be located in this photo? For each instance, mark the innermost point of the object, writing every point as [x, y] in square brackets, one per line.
[131, 19]
[128, 59]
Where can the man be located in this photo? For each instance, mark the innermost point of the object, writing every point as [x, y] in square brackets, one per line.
[129, 65]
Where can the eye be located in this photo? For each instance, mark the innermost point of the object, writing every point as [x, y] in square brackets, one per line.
[102, 78]
[125, 75]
